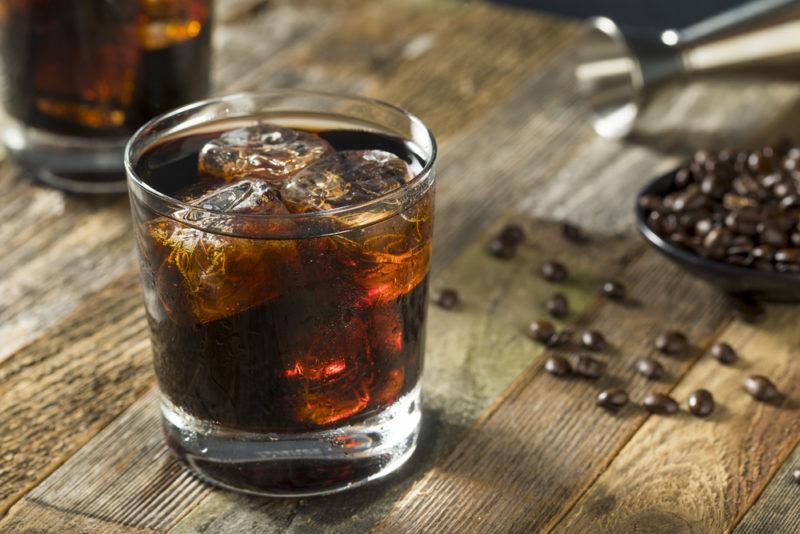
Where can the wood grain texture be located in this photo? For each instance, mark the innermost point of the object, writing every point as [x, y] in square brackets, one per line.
[701, 475]
[473, 354]
[530, 458]
[125, 479]
[60, 390]
[778, 507]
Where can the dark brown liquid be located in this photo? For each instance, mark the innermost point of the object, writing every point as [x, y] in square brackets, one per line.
[101, 68]
[330, 327]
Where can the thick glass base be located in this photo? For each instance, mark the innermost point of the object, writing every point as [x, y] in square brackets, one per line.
[75, 164]
[294, 465]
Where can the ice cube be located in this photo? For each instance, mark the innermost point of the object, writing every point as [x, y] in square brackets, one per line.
[210, 276]
[344, 178]
[264, 151]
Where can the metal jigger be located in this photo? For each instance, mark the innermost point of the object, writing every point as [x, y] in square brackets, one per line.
[620, 70]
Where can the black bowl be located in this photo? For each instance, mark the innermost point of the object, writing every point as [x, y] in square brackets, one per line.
[740, 281]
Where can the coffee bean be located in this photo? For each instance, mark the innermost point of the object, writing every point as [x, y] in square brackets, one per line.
[651, 203]
[761, 388]
[658, 403]
[649, 368]
[553, 271]
[788, 255]
[593, 340]
[541, 330]
[586, 366]
[766, 252]
[723, 352]
[671, 342]
[614, 290]
[557, 305]
[770, 234]
[572, 233]
[512, 234]
[560, 338]
[612, 399]
[557, 365]
[796, 475]
[701, 403]
[683, 178]
[717, 238]
[446, 298]
[500, 249]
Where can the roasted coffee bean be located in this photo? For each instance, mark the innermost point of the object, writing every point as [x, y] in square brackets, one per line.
[761, 388]
[651, 203]
[560, 338]
[593, 340]
[572, 233]
[557, 365]
[723, 352]
[701, 403]
[788, 255]
[446, 298]
[671, 342]
[683, 178]
[782, 267]
[557, 305]
[541, 330]
[586, 366]
[765, 252]
[717, 238]
[553, 271]
[612, 399]
[790, 202]
[649, 368]
[512, 234]
[770, 234]
[794, 237]
[500, 249]
[713, 186]
[703, 227]
[659, 403]
[614, 290]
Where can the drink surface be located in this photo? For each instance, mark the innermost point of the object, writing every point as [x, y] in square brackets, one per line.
[294, 334]
[101, 68]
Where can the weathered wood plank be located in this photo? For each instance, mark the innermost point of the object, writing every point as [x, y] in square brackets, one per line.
[692, 474]
[778, 507]
[532, 457]
[100, 488]
[60, 390]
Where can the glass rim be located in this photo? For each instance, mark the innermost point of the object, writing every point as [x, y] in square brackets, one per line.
[395, 195]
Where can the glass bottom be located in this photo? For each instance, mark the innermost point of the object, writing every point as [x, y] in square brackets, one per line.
[75, 164]
[296, 465]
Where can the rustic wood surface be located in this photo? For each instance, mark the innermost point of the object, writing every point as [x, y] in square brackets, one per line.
[504, 447]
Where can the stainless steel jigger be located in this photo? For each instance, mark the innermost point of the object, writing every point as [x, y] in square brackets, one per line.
[620, 70]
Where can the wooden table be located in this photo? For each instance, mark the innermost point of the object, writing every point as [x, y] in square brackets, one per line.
[504, 446]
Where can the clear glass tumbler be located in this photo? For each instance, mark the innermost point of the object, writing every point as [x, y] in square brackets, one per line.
[284, 242]
[80, 76]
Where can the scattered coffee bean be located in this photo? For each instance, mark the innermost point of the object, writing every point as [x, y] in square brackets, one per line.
[560, 338]
[614, 290]
[553, 271]
[796, 475]
[761, 388]
[593, 340]
[671, 342]
[446, 298]
[512, 235]
[557, 366]
[541, 330]
[500, 249]
[612, 399]
[557, 305]
[572, 233]
[660, 404]
[701, 403]
[586, 366]
[723, 352]
[649, 368]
